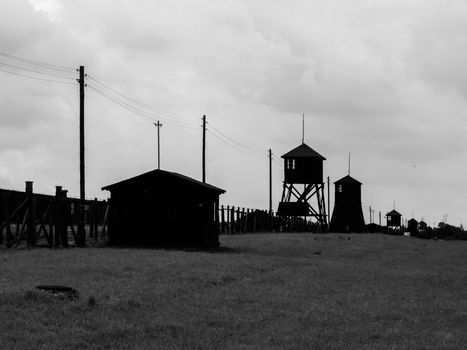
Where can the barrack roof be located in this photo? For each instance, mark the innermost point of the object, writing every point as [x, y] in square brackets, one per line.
[157, 175]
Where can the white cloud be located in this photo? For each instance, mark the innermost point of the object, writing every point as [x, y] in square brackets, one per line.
[384, 80]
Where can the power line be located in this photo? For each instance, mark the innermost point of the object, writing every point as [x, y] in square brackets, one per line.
[129, 101]
[249, 149]
[156, 113]
[38, 63]
[122, 104]
[141, 113]
[36, 78]
[235, 144]
[150, 116]
[146, 115]
[238, 149]
[141, 109]
[159, 111]
[35, 71]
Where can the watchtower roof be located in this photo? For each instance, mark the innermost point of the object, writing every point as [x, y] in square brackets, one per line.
[393, 213]
[347, 180]
[303, 151]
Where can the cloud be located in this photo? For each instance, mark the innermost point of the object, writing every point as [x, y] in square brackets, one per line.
[383, 80]
[439, 46]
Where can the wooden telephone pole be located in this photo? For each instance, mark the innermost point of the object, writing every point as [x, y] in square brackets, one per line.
[158, 126]
[81, 229]
[329, 201]
[204, 149]
[270, 182]
[270, 191]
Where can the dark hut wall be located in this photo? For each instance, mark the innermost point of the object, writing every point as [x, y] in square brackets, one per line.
[159, 213]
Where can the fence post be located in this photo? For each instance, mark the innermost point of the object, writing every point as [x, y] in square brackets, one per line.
[232, 220]
[247, 221]
[6, 209]
[263, 221]
[244, 220]
[106, 218]
[64, 209]
[254, 220]
[95, 215]
[31, 230]
[57, 216]
[272, 221]
[90, 219]
[222, 219]
[216, 219]
[228, 220]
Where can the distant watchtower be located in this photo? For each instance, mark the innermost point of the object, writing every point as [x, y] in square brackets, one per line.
[347, 215]
[393, 219]
[303, 166]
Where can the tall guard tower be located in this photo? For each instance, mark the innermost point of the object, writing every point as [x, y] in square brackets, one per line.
[303, 166]
[347, 215]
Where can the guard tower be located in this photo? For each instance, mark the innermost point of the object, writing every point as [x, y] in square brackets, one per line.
[412, 226]
[393, 219]
[303, 166]
[347, 215]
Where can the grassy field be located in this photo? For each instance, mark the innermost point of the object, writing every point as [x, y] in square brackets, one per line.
[276, 291]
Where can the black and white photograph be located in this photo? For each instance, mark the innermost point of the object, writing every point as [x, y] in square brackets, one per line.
[233, 174]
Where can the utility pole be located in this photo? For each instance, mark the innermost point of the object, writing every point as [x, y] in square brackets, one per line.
[370, 216]
[270, 181]
[81, 229]
[329, 201]
[270, 189]
[158, 125]
[204, 148]
[379, 218]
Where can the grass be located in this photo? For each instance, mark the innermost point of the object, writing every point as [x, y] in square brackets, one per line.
[276, 291]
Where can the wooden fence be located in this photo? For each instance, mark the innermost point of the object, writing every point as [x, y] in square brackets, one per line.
[45, 220]
[51, 221]
[236, 220]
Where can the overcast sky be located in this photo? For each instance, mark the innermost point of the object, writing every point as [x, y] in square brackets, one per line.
[384, 80]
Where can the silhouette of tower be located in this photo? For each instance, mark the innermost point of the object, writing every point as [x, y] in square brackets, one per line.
[303, 166]
[347, 215]
[393, 219]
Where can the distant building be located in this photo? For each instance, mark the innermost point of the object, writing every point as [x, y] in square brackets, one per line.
[373, 228]
[347, 215]
[161, 208]
[393, 218]
[422, 225]
[412, 226]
